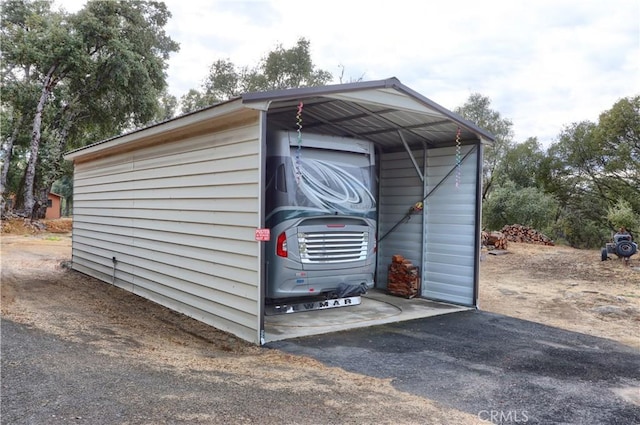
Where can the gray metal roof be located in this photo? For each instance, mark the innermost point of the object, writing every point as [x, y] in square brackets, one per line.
[383, 111]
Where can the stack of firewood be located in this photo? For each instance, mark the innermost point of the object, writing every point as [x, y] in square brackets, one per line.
[494, 240]
[519, 233]
[404, 279]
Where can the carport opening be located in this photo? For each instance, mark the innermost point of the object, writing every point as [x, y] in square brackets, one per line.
[337, 122]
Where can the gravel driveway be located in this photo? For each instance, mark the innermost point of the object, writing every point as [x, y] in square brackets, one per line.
[77, 350]
[46, 380]
[499, 368]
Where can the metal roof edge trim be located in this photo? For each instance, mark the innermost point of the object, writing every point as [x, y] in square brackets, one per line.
[450, 114]
[178, 122]
[317, 90]
[392, 82]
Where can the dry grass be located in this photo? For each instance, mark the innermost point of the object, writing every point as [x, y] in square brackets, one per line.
[564, 287]
[24, 226]
[60, 225]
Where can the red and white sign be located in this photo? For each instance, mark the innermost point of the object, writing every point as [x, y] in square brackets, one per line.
[263, 235]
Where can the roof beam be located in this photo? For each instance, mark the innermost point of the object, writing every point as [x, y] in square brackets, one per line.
[329, 123]
[395, 126]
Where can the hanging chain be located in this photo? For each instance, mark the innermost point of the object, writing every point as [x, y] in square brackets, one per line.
[298, 165]
[458, 159]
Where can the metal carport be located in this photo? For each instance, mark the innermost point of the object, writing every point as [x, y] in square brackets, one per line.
[170, 211]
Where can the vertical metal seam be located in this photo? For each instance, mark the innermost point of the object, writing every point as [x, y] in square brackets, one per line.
[423, 259]
[261, 218]
[478, 226]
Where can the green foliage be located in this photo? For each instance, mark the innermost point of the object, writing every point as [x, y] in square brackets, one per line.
[73, 79]
[102, 71]
[124, 78]
[166, 108]
[223, 82]
[579, 181]
[279, 69]
[622, 215]
[591, 169]
[529, 206]
[580, 231]
[36, 41]
[521, 164]
[287, 68]
[568, 169]
[580, 223]
[194, 100]
[15, 174]
[64, 188]
[478, 110]
[618, 139]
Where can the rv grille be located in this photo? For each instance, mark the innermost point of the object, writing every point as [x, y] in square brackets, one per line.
[333, 247]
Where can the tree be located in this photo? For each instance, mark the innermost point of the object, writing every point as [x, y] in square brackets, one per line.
[194, 100]
[521, 164]
[223, 82]
[13, 133]
[617, 137]
[167, 106]
[64, 188]
[477, 110]
[34, 41]
[528, 206]
[622, 215]
[99, 71]
[287, 68]
[343, 80]
[279, 69]
[571, 174]
[592, 168]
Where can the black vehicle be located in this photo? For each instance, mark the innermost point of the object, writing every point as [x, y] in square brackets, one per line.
[622, 246]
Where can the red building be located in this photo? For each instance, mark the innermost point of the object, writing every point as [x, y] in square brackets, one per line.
[53, 206]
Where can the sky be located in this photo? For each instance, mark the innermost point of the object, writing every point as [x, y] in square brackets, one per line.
[544, 64]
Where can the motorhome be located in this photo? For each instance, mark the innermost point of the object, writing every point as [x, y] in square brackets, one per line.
[321, 209]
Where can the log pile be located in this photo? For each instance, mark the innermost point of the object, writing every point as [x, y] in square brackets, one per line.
[494, 240]
[519, 233]
[404, 279]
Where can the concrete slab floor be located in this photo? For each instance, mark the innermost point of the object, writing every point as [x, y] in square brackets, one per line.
[377, 308]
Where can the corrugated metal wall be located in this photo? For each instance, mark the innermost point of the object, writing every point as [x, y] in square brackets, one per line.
[451, 227]
[179, 218]
[400, 188]
[444, 238]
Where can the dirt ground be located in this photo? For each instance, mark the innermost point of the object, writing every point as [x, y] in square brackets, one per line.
[566, 288]
[558, 286]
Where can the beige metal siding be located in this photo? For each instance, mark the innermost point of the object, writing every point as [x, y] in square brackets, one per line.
[179, 218]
